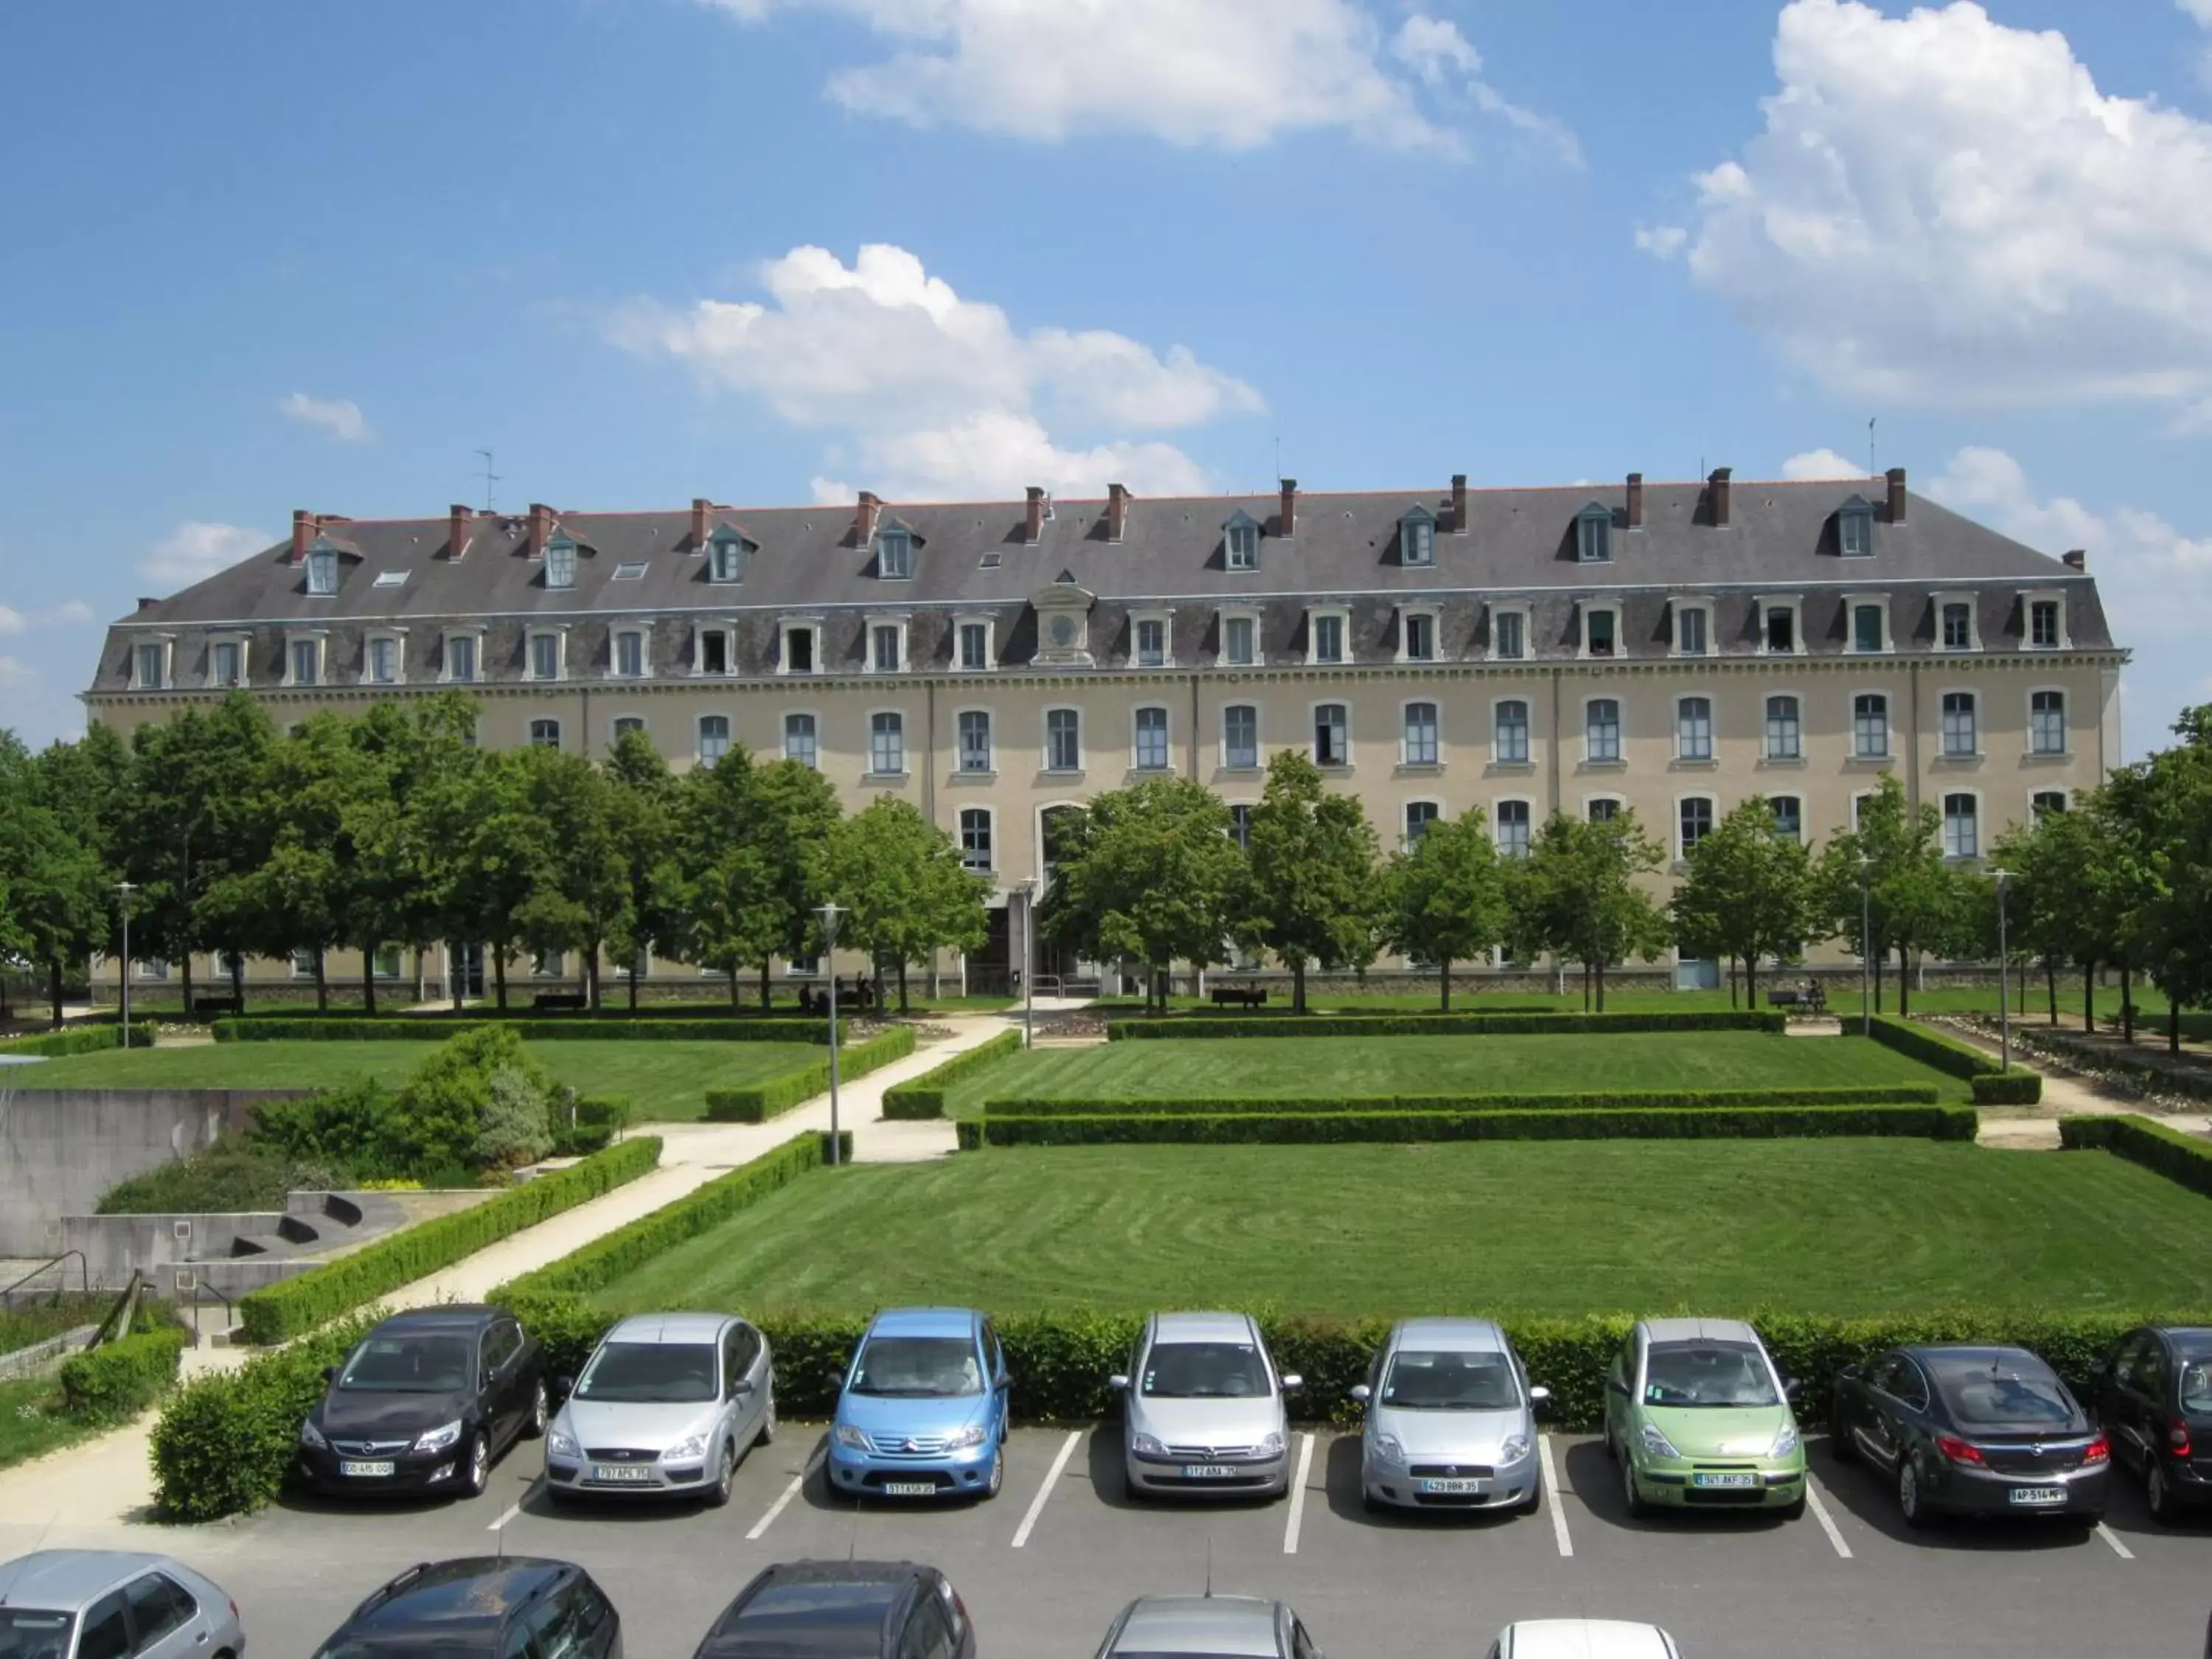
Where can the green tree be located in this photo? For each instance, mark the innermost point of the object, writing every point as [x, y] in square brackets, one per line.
[583, 886]
[794, 811]
[728, 875]
[1583, 899]
[905, 892]
[498, 851]
[1913, 899]
[642, 803]
[425, 755]
[55, 895]
[1749, 893]
[1312, 895]
[1444, 897]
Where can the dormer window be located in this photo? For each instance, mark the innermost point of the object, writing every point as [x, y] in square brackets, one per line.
[1240, 544]
[1855, 528]
[893, 555]
[1593, 534]
[322, 570]
[1417, 540]
[725, 559]
[560, 562]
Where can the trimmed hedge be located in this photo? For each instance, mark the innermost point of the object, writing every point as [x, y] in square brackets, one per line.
[1992, 1084]
[79, 1039]
[266, 1028]
[1441, 1024]
[294, 1306]
[2014, 1088]
[924, 1097]
[2140, 1140]
[757, 1103]
[599, 1120]
[114, 1384]
[1888, 1094]
[1307, 1128]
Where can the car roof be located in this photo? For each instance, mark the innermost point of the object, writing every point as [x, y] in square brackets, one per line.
[691, 1327]
[771, 1628]
[1203, 1327]
[1241, 1625]
[63, 1579]
[1588, 1638]
[1449, 1335]
[451, 1316]
[1699, 1330]
[467, 1591]
[1975, 1352]
[925, 1322]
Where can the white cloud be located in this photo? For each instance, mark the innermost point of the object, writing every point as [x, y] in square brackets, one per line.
[936, 395]
[1234, 73]
[16, 675]
[1660, 241]
[193, 551]
[1818, 463]
[13, 622]
[2199, 9]
[70, 611]
[1944, 210]
[339, 416]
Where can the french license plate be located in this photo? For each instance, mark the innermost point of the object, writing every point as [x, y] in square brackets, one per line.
[1709, 1479]
[2038, 1496]
[352, 1471]
[1208, 1472]
[633, 1474]
[909, 1488]
[1448, 1488]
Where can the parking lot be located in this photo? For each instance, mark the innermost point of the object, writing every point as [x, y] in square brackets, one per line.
[1046, 1566]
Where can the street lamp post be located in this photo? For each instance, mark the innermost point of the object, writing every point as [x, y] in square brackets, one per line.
[830, 914]
[1865, 943]
[1029, 914]
[2004, 970]
[126, 889]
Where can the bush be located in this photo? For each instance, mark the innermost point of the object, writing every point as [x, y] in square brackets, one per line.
[757, 1103]
[79, 1039]
[294, 1306]
[114, 1384]
[264, 1028]
[2140, 1140]
[1307, 1128]
[924, 1096]
[1441, 1024]
[226, 1179]
[1887, 1094]
[346, 1124]
[514, 1128]
[2012, 1088]
[1992, 1084]
[442, 1106]
[582, 1126]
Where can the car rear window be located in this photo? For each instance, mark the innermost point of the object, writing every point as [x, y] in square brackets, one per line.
[2004, 1392]
[2196, 1386]
[810, 1618]
[1450, 1381]
[1204, 1371]
[34, 1633]
[1707, 1373]
[634, 1373]
[409, 1365]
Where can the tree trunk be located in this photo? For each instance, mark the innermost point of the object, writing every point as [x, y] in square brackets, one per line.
[1903, 983]
[1444, 972]
[2173, 1025]
[1601, 985]
[902, 978]
[2051, 983]
[592, 977]
[322, 983]
[1586, 987]
[2127, 1003]
[1298, 985]
[499, 976]
[54, 989]
[1877, 980]
[767, 993]
[188, 977]
[735, 1007]
[367, 981]
[633, 985]
[1751, 983]
[878, 998]
[1731, 963]
[2089, 996]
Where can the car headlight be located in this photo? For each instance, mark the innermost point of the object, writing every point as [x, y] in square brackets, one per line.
[1144, 1446]
[437, 1439]
[1785, 1443]
[851, 1439]
[1657, 1444]
[312, 1436]
[560, 1446]
[1515, 1448]
[973, 1434]
[689, 1449]
[1270, 1445]
[1387, 1448]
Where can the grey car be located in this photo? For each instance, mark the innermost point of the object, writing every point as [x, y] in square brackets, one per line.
[667, 1406]
[1450, 1421]
[108, 1604]
[1203, 1409]
[1205, 1626]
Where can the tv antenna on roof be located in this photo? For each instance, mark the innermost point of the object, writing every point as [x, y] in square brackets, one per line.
[491, 478]
[1873, 466]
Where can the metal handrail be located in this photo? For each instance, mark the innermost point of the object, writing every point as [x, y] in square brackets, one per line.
[84, 1271]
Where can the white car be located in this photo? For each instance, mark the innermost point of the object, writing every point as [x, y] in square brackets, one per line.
[1202, 1407]
[667, 1406]
[1582, 1638]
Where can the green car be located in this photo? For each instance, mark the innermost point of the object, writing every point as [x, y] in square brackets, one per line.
[1700, 1419]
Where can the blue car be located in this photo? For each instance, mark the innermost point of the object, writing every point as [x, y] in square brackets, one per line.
[922, 1412]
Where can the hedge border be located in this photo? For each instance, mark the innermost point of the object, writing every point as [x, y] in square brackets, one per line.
[1890, 1094]
[757, 1103]
[924, 1096]
[114, 1383]
[1311, 1128]
[1992, 1084]
[2169, 1153]
[266, 1028]
[81, 1040]
[292, 1306]
[1441, 1024]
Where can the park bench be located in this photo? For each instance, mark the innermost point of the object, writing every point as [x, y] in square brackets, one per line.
[547, 1001]
[1249, 996]
[218, 1006]
[1809, 999]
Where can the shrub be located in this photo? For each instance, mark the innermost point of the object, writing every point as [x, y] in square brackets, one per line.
[2140, 1140]
[348, 1124]
[292, 1306]
[1443, 1024]
[582, 1126]
[442, 1105]
[114, 1384]
[1887, 1094]
[225, 1179]
[924, 1096]
[514, 1129]
[1992, 1084]
[79, 1039]
[261, 1028]
[2014, 1088]
[757, 1103]
[1934, 1123]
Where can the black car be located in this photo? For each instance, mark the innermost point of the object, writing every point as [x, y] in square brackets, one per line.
[424, 1404]
[2153, 1394]
[510, 1607]
[1971, 1430]
[844, 1610]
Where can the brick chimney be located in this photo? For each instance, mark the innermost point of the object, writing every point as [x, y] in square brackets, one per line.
[2078, 559]
[865, 517]
[1458, 503]
[1636, 500]
[541, 528]
[458, 522]
[304, 527]
[1117, 511]
[1033, 523]
[1719, 492]
[145, 604]
[1897, 495]
[1288, 526]
[700, 506]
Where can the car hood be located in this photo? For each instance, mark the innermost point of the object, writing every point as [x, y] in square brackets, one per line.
[363, 1414]
[1206, 1422]
[635, 1424]
[1719, 1430]
[902, 1415]
[1452, 1437]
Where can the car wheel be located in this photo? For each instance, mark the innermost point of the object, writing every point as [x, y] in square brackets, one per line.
[2158, 1490]
[726, 1470]
[1637, 1506]
[476, 1474]
[1794, 1509]
[765, 1435]
[1840, 1444]
[998, 1474]
[1533, 1502]
[539, 1411]
[1367, 1502]
[1912, 1503]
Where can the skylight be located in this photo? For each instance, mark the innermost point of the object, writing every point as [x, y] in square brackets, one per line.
[390, 579]
[990, 562]
[630, 570]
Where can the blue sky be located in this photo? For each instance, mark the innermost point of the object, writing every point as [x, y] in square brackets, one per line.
[264, 256]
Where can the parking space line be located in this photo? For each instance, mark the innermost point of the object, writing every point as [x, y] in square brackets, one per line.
[777, 1507]
[1298, 1494]
[1552, 1497]
[2114, 1539]
[1827, 1521]
[515, 1508]
[1051, 1479]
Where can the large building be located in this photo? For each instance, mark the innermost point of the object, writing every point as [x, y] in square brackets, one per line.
[1671, 647]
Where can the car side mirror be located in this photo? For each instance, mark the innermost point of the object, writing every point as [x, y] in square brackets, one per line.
[330, 1373]
[739, 1388]
[1118, 1382]
[1614, 1385]
[564, 1386]
[2101, 1368]
[1791, 1388]
[1539, 1395]
[1851, 1371]
[1360, 1392]
[1293, 1382]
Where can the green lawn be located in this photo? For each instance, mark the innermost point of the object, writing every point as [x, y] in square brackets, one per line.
[1843, 996]
[1204, 1068]
[1837, 1227]
[665, 1081]
[27, 1428]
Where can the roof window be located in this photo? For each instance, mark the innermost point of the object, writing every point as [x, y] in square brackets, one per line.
[630, 570]
[390, 579]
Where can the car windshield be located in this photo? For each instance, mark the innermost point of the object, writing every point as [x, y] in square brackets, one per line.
[2196, 1386]
[34, 1633]
[1204, 1371]
[1707, 1373]
[409, 1365]
[918, 1366]
[638, 1373]
[474, 1643]
[806, 1617]
[1422, 1382]
[2003, 1391]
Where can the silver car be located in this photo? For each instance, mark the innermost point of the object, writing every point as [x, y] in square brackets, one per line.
[667, 1406]
[103, 1604]
[1450, 1421]
[1203, 1626]
[1203, 1409]
[1582, 1638]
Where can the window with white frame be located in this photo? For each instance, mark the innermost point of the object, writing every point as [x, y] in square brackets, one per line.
[799, 741]
[1327, 636]
[1601, 729]
[714, 737]
[302, 964]
[1785, 729]
[1332, 735]
[2043, 802]
[1855, 530]
[307, 662]
[1513, 828]
[153, 968]
[893, 555]
[2046, 722]
[1510, 732]
[1869, 626]
[549, 965]
[1600, 631]
[715, 655]
[1420, 734]
[1239, 825]
[1240, 542]
[1240, 737]
[725, 559]
[1151, 740]
[974, 642]
[1509, 634]
[1692, 630]
[1789, 816]
[975, 839]
[802, 648]
[2046, 629]
[1777, 625]
[975, 730]
[1594, 535]
[544, 656]
[385, 962]
[1063, 740]
[1419, 815]
[1240, 638]
[1956, 620]
[561, 562]
[1693, 728]
[1693, 823]
[461, 659]
[887, 743]
[1870, 726]
[1962, 832]
[322, 572]
[226, 663]
[1152, 641]
[1417, 540]
[626, 724]
[1418, 635]
[886, 647]
[382, 659]
[545, 733]
[629, 654]
[1962, 733]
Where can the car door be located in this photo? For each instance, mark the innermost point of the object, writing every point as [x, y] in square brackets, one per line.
[106, 1632]
[166, 1622]
[744, 1397]
[2138, 1394]
[501, 1413]
[1302, 1645]
[928, 1633]
[1616, 1397]
[1876, 1430]
[1002, 1382]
